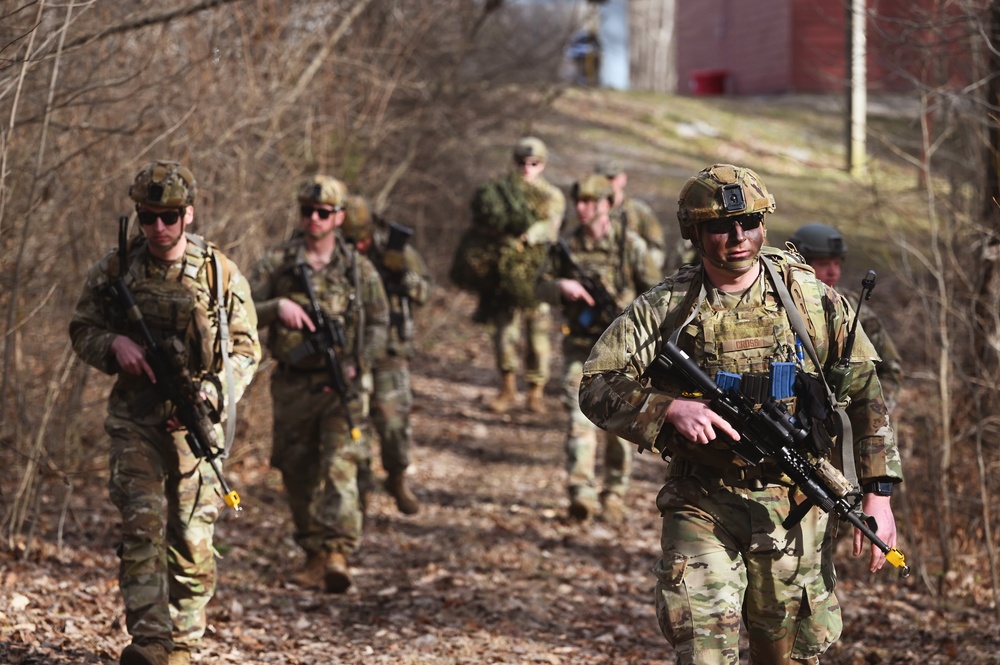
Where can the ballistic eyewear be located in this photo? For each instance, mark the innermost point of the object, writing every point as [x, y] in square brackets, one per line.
[168, 217]
[747, 222]
[308, 210]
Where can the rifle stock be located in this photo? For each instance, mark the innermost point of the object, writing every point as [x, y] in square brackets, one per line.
[771, 432]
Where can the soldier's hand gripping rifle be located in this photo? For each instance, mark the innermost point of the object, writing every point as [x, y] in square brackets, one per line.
[331, 333]
[174, 384]
[605, 309]
[771, 432]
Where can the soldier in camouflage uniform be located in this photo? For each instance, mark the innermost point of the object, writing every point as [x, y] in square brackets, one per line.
[824, 248]
[549, 206]
[186, 290]
[726, 555]
[617, 259]
[408, 284]
[314, 446]
[634, 213]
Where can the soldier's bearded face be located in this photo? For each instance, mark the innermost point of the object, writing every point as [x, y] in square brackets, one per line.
[319, 220]
[160, 236]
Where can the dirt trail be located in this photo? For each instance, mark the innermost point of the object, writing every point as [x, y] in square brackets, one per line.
[488, 572]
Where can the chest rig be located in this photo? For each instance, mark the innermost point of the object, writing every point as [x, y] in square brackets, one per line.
[601, 260]
[337, 288]
[177, 301]
[771, 342]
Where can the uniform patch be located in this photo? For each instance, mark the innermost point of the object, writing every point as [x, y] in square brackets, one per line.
[730, 345]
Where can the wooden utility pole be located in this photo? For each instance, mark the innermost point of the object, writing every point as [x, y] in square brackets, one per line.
[857, 87]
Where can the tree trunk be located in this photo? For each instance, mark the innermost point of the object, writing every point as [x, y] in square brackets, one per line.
[652, 48]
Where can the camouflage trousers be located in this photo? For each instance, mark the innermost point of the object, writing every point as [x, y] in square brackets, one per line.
[169, 501]
[582, 438]
[537, 322]
[318, 460]
[727, 559]
[390, 412]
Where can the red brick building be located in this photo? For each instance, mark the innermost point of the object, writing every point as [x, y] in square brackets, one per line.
[776, 46]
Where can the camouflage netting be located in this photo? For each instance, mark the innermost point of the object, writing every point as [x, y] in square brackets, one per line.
[517, 269]
[474, 267]
[491, 260]
[501, 206]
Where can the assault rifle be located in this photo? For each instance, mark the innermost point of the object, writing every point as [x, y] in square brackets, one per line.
[401, 319]
[604, 309]
[771, 432]
[174, 384]
[331, 333]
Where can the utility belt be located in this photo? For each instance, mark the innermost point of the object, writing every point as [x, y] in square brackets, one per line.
[746, 477]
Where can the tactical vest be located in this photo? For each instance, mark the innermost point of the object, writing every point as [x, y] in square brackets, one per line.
[603, 260]
[181, 306]
[338, 291]
[749, 340]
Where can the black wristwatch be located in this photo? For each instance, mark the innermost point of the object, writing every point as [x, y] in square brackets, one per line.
[879, 487]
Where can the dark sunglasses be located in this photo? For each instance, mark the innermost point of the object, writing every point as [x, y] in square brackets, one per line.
[725, 224]
[169, 218]
[307, 211]
[528, 162]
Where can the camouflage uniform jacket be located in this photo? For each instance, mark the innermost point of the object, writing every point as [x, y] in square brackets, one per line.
[618, 397]
[638, 216]
[404, 288]
[619, 261]
[349, 290]
[549, 205]
[890, 368]
[163, 292]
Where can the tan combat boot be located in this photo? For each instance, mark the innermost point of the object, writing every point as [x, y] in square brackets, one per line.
[337, 578]
[180, 657]
[582, 505]
[535, 398]
[312, 573]
[406, 502]
[508, 393]
[151, 653]
[612, 508]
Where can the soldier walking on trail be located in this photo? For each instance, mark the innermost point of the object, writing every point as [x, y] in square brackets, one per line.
[317, 445]
[824, 248]
[731, 553]
[408, 284]
[548, 206]
[614, 262]
[196, 308]
[634, 213]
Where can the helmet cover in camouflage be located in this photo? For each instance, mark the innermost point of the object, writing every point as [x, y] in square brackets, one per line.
[593, 187]
[819, 241]
[609, 167]
[530, 146]
[325, 190]
[163, 184]
[358, 220]
[721, 190]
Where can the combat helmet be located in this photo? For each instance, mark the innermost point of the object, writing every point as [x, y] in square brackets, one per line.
[721, 190]
[531, 146]
[593, 186]
[819, 241]
[357, 225]
[325, 190]
[163, 184]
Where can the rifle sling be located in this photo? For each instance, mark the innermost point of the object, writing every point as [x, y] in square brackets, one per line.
[226, 363]
[846, 433]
